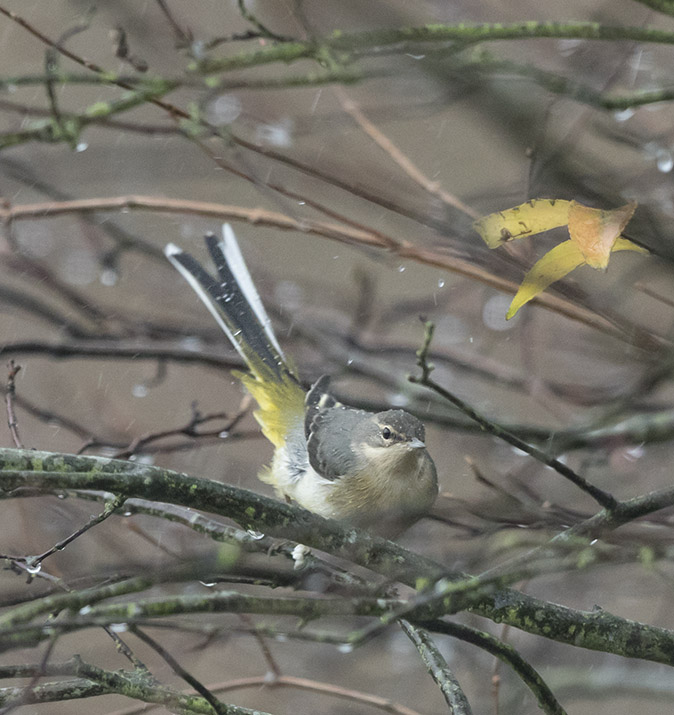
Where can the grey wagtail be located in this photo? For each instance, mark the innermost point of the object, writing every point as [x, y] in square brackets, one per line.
[371, 470]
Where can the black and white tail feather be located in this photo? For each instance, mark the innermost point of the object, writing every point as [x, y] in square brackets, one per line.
[236, 305]
[233, 300]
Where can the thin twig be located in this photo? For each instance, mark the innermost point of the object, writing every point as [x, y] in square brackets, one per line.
[274, 668]
[306, 684]
[604, 499]
[10, 392]
[262, 29]
[506, 654]
[123, 647]
[39, 673]
[123, 51]
[438, 668]
[403, 161]
[183, 36]
[110, 508]
[219, 707]
[648, 290]
[188, 430]
[51, 72]
[202, 440]
[321, 688]
[33, 563]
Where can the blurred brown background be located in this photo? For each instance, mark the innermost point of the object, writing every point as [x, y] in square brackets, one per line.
[490, 139]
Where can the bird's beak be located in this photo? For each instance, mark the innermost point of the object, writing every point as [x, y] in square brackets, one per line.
[416, 444]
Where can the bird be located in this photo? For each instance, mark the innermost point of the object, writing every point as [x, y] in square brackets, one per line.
[370, 470]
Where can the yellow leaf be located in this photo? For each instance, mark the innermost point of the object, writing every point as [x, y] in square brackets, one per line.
[624, 244]
[528, 219]
[555, 264]
[595, 231]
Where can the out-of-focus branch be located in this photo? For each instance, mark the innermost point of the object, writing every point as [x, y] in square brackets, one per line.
[107, 350]
[341, 233]
[404, 162]
[401, 40]
[188, 430]
[665, 6]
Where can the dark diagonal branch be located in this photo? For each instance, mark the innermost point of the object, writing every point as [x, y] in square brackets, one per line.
[438, 668]
[603, 498]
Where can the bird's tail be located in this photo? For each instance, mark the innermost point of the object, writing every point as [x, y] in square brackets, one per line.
[235, 304]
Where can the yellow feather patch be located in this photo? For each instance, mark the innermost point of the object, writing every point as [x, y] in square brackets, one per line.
[281, 402]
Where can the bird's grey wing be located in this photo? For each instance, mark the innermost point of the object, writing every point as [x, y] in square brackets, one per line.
[316, 400]
[329, 427]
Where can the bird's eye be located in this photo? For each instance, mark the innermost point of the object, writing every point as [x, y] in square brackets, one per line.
[386, 433]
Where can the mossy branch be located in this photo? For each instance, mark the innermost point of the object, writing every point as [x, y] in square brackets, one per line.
[597, 630]
[334, 54]
[438, 668]
[374, 41]
[88, 680]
